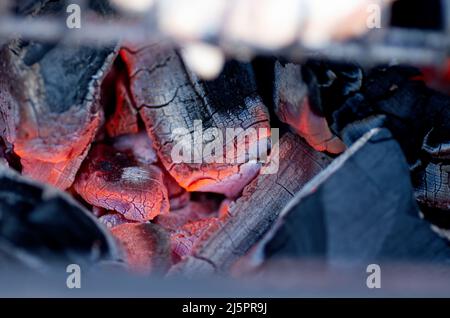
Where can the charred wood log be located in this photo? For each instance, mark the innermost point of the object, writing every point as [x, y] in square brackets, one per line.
[170, 98]
[50, 102]
[253, 214]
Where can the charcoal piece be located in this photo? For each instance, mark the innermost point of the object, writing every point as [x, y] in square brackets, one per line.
[432, 186]
[381, 81]
[249, 218]
[360, 209]
[139, 145]
[177, 218]
[124, 120]
[8, 157]
[113, 219]
[3, 151]
[419, 119]
[171, 98]
[440, 218]
[293, 106]
[431, 178]
[46, 226]
[20, 260]
[436, 142]
[186, 240]
[331, 83]
[50, 102]
[178, 197]
[117, 181]
[146, 246]
[413, 111]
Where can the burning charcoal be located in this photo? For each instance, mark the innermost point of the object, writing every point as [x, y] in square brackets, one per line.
[117, 181]
[112, 219]
[139, 145]
[146, 246]
[360, 209]
[419, 119]
[175, 106]
[189, 238]
[142, 148]
[177, 218]
[410, 108]
[253, 214]
[189, 225]
[124, 120]
[293, 107]
[178, 196]
[50, 101]
[48, 225]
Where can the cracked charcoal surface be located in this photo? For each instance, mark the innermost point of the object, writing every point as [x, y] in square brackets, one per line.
[117, 181]
[169, 97]
[360, 209]
[47, 226]
[49, 123]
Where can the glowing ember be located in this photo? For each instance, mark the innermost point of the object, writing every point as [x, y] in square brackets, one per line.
[116, 181]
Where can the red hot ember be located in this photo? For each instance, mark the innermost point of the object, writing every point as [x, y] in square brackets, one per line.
[117, 181]
[146, 246]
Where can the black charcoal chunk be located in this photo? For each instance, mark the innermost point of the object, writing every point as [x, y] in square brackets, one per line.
[47, 225]
[360, 209]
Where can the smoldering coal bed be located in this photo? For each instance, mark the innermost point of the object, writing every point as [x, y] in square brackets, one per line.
[358, 160]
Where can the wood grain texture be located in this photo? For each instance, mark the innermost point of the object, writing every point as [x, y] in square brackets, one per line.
[170, 97]
[253, 214]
